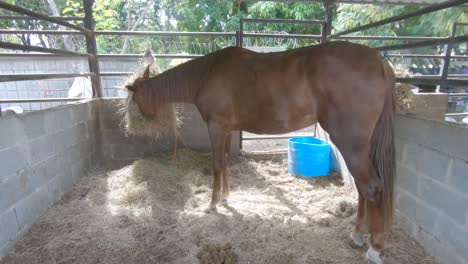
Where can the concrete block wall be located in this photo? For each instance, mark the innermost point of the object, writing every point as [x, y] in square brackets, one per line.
[118, 146]
[432, 203]
[42, 154]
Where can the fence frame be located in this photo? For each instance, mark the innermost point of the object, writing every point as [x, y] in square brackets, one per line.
[88, 31]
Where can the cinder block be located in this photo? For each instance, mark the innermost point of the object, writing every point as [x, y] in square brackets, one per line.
[458, 177]
[419, 211]
[29, 209]
[451, 232]
[62, 141]
[57, 119]
[11, 161]
[444, 198]
[79, 132]
[42, 173]
[81, 113]
[11, 132]
[33, 124]
[13, 189]
[114, 137]
[41, 148]
[8, 227]
[407, 179]
[426, 161]
[441, 250]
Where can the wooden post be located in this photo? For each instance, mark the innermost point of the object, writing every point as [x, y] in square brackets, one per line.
[92, 48]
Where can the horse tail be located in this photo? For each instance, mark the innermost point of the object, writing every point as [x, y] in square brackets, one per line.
[382, 153]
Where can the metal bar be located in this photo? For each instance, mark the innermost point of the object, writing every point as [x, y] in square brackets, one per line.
[27, 12]
[40, 76]
[241, 31]
[91, 48]
[419, 44]
[266, 137]
[328, 17]
[380, 2]
[162, 56]
[323, 32]
[462, 57]
[407, 38]
[281, 21]
[39, 100]
[13, 46]
[289, 36]
[456, 114]
[438, 76]
[164, 33]
[8, 17]
[457, 94]
[446, 62]
[433, 81]
[41, 32]
[15, 54]
[114, 73]
[422, 11]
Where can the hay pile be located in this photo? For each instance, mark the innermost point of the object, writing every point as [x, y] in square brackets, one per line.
[405, 97]
[154, 211]
[167, 119]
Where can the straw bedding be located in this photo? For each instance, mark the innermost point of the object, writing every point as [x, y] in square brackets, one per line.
[154, 211]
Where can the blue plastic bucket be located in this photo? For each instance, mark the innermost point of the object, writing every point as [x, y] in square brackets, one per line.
[308, 157]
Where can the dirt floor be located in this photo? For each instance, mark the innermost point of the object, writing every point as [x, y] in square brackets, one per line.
[154, 211]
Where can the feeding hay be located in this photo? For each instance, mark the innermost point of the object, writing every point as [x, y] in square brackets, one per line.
[153, 211]
[164, 122]
[404, 95]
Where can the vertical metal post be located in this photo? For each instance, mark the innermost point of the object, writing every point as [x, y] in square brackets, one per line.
[240, 43]
[327, 27]
[446, 62]
[241, 33]
[91, 48]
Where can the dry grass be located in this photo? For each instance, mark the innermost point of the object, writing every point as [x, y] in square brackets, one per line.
[154, 211]
[165, 122]
[405, 97]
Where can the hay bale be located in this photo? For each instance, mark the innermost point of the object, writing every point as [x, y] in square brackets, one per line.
[164, 122]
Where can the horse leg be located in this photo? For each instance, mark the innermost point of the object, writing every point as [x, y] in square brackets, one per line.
[358, 235]
[377, 230]
[226, 172]
[356, 154]
[218, 139]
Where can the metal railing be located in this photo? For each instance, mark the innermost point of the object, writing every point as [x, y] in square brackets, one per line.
[443, 80]
[87, 30]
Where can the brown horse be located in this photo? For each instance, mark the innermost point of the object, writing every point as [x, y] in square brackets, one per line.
[347, 88]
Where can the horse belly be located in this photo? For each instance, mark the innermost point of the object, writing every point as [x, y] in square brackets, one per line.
[285, 123]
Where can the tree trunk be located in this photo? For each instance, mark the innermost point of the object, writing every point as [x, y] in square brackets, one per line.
[66, 39]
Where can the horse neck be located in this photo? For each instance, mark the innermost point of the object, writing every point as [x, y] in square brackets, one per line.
[179, 84]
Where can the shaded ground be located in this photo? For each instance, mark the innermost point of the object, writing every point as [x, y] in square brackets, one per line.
[154, 211]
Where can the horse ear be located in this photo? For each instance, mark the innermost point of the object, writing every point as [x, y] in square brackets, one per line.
[147, 72]
[130, 87]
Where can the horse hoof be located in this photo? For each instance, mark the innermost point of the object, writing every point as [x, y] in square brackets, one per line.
[224, 201]
[373, 256]
[358, 240]
[212, 209]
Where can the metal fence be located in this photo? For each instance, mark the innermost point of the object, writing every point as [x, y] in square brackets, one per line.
[87, 30]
